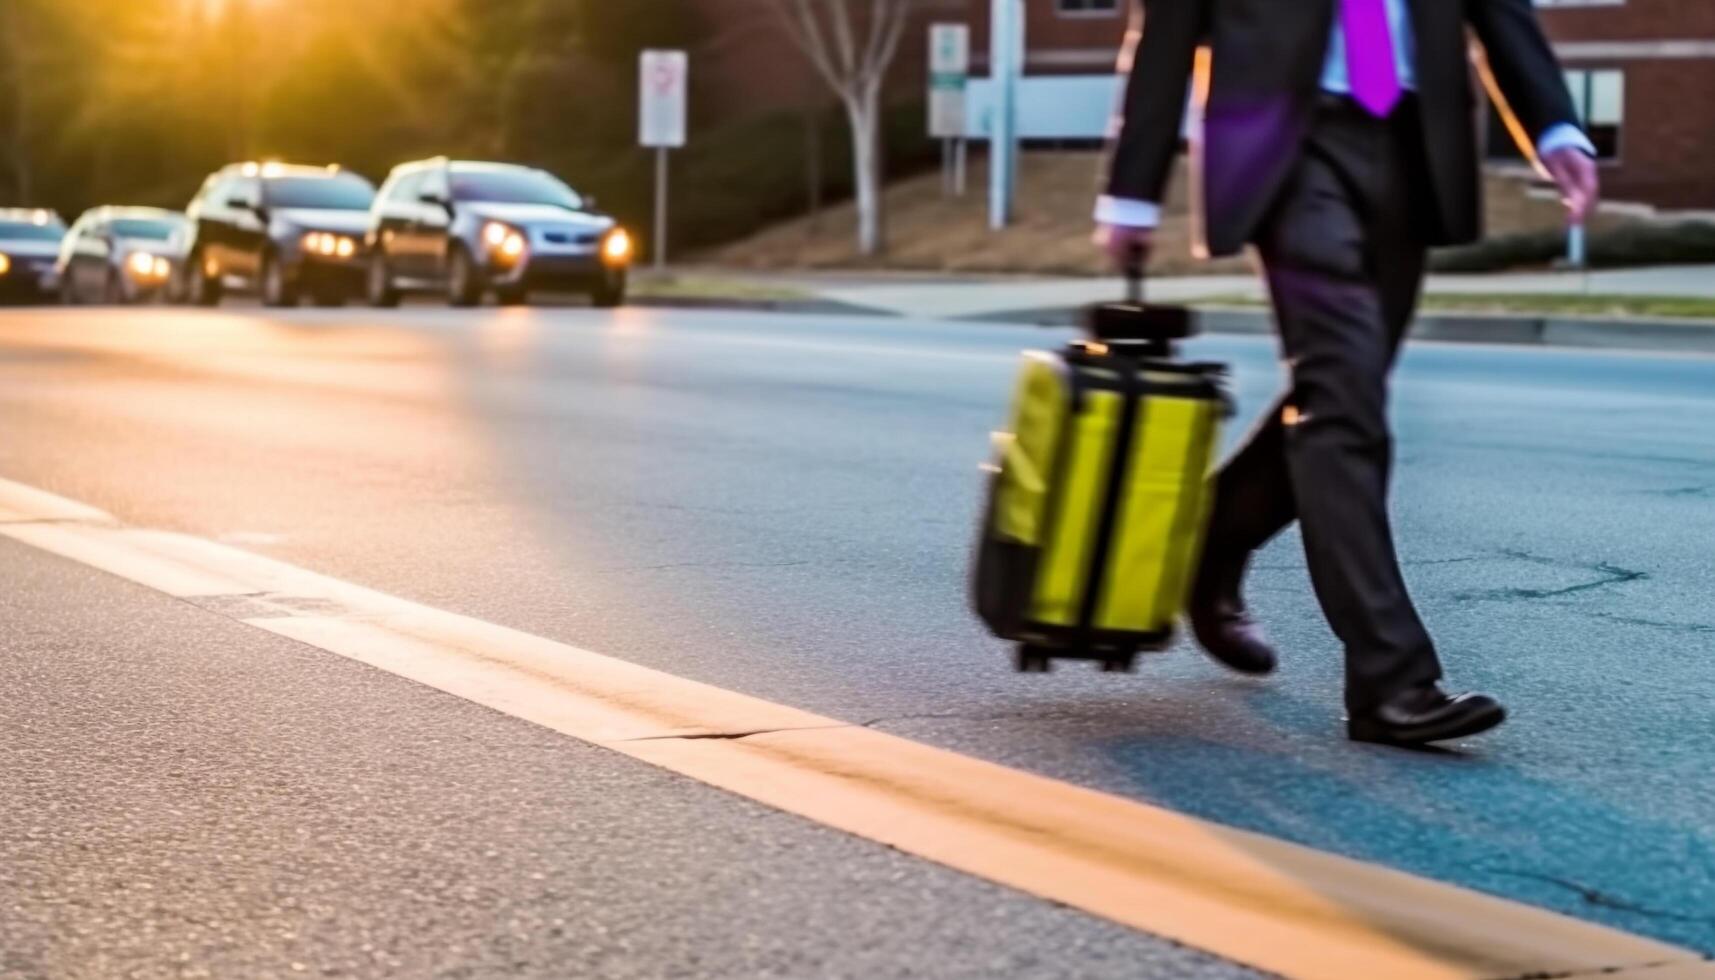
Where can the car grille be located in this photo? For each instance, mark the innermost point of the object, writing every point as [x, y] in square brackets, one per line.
[561, 236]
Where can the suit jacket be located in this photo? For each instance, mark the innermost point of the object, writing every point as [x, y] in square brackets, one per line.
[1267, 71]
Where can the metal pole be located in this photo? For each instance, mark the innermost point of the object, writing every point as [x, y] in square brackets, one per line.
[813, 165]
[1006, 48]
[1575, 247]
[660, 208]
[959, 154]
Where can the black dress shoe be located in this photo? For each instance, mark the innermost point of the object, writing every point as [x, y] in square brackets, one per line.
[1425, 714]
[1232, 637]
[1219, 621]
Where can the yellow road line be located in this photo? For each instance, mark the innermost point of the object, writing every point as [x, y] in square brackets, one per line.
[23, 504]
[1252, 899]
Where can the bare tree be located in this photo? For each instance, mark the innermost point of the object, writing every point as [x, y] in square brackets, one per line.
[852, 43]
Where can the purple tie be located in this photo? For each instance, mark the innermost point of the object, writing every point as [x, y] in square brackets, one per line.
[1370, 66]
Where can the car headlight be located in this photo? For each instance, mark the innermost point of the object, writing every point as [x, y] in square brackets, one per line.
[146, 266]
[329, 245]
[503, 240]
[616, 247]
[5, 263]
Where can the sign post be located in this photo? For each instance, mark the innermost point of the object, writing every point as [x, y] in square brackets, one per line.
[1006, 64]
[661, 125]
[949, 73]
[1576, 255]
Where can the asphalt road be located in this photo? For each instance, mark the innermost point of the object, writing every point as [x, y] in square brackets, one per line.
[782, 506]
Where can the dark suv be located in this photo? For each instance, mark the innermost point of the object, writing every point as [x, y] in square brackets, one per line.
[279, 230]
[466, 229]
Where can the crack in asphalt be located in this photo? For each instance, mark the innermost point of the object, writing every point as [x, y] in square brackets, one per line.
[1599, 971]
[707, 736]
[1601, 899]
[1610, 575]
[1703, 490]
[1405, 563]
[734, 736]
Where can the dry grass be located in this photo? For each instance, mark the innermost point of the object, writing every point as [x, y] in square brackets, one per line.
[929, 232]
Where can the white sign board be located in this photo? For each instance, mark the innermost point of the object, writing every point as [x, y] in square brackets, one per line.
[1059, 107]
[949, 70]
[663, 88]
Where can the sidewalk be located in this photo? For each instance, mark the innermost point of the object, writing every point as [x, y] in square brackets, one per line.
[1667, 308]
[982, 298]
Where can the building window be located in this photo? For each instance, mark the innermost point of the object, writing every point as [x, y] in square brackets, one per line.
[1599, 97]
[1598, 100]
[1087, 8]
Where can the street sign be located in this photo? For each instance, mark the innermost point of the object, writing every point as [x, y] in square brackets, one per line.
[949, 70]
[662, 84]
[662, 87]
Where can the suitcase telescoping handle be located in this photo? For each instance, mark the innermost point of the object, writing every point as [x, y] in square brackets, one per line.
[1132, 269]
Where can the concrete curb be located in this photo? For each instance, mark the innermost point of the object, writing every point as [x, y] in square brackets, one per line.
[1606, 333]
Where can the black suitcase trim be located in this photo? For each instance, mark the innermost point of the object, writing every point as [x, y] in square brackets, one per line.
[1119, 462]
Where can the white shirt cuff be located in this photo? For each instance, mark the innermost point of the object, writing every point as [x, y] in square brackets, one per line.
[1127, 212]
[1564, 136]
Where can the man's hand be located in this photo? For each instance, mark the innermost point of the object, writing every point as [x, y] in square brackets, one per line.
[1127, 246]
[1575, 174]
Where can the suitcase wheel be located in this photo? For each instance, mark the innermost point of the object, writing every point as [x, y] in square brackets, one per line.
[1123, 664]
[1033, 660]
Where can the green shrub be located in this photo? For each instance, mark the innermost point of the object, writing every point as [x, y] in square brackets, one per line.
[1632, 244]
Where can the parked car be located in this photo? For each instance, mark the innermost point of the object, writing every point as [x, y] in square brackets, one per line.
[467, 228]
[122, 255]
[278, 230]
[29, 249]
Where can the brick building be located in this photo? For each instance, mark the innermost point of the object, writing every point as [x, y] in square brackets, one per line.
[1642, 73]
[748, 64]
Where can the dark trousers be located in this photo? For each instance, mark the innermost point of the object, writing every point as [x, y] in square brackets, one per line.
[1344, 255]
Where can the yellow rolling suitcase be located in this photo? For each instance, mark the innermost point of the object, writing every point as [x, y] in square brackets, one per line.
[1099, 492]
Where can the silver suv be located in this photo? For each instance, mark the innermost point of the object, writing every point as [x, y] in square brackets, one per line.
[467, 229]
[122, 255]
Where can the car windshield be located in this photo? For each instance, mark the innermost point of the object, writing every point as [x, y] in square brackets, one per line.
[342, 193]
[29, 231]
[513, 187]
[153, 229]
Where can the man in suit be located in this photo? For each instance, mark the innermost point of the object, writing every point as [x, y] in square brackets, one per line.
[1339, 141]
